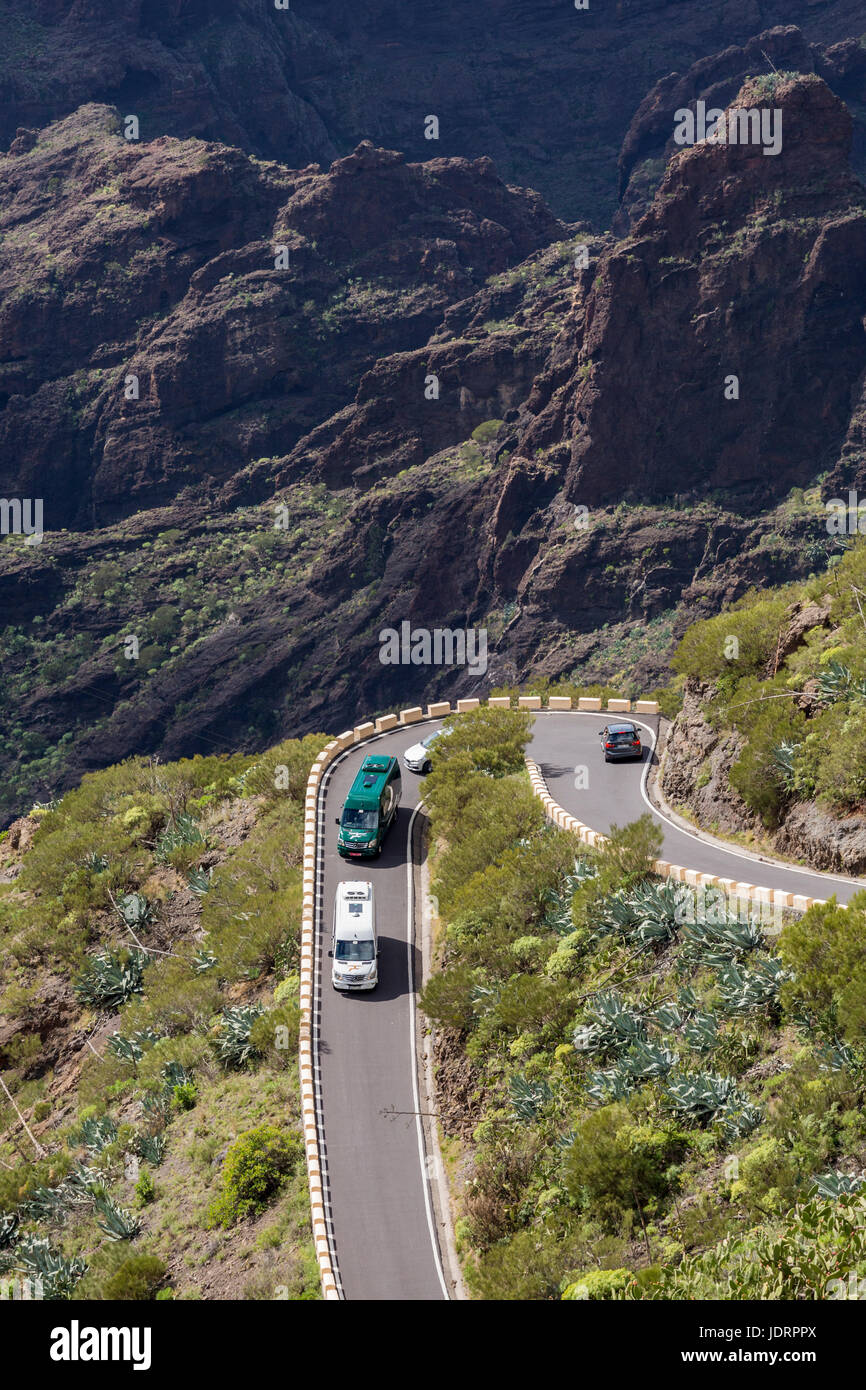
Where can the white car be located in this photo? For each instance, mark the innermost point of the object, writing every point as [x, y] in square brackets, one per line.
[355, 945]
[417, 758]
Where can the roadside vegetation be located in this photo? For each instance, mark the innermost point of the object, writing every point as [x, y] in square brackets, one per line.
[150, 1143]
[785, 670]
[670, 1097]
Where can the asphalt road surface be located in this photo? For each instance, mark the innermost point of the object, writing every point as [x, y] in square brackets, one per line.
[614, 795]
[380, 1207]
[383, 1234]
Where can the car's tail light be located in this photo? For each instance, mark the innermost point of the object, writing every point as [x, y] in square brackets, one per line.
[608, 745]
[635, 743]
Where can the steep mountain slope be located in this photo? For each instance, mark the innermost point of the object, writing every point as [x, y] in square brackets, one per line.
[158, 261]
[280, 539]
[545, 90]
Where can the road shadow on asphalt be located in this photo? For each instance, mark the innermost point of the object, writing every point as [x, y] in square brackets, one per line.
[393, 973]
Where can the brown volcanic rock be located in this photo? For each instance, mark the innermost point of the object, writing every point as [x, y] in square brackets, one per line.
[158, 261]
[306, 387]
[649, 143]
[546, 91]
[746, 265]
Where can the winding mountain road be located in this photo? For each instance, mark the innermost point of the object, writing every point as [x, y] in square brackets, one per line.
[379, 1196]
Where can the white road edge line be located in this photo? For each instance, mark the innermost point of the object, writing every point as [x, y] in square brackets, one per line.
[723, 848]
[413, 1049]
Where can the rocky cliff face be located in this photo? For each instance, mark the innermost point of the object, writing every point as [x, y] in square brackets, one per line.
[304, 466]
[158, 262]
[697, 762]
[545, 90]
[715, 80]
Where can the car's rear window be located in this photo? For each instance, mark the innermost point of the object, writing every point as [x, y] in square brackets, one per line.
[622, 736]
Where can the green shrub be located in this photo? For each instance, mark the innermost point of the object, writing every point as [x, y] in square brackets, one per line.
[841, 773]
[757, 774]
[806, 1255]
[489, 429]
[116, 1275]
[627, 856]
[274, 1035]
[618, 1165]
[769, 1180]
[252, 911]
[493, 739]
[256, 1166]
[529, 1265]
[598, 1284]
[184, 1095]
[826, 950]
[145, 1189]
[755, 621]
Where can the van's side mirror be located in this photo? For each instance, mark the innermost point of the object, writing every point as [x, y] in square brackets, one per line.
[330, 953]
[336, 820]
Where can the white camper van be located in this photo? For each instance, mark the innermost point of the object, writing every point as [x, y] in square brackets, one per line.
[355, 945]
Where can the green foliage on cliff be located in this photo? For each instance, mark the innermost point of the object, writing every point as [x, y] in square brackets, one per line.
[785, 670]
[189, 1002]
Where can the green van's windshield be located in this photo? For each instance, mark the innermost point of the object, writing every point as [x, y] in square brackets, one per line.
[354, 950]
[360, 820]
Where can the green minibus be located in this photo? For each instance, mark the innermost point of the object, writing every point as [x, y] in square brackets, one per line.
[370, 809]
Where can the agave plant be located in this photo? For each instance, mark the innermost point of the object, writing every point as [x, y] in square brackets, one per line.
[669, 1016]
[156, 1105]
[97, 1133]
[612, 1026]
[834, 682]
[182, 831]
[233, 1046]
[117, 1222]
[836, 1055]
[657, 906]
[484, 997]
[135, 910]
[701, 1097]
[745, 991]
[108, 980]
[616, 916]
[198, 880]
[557, 903]
[151, 1147]
[528, 1097]
[33, 1257]
[96, 863]
[648, 1061]
[784, 757]
[8, 1229]
[53, 1203]
[701, 1032]
[609, 1085]
[717, 943]
[203, 960]
[173, 1074]
[649, 913]
[131, 1048]
[835, 1185]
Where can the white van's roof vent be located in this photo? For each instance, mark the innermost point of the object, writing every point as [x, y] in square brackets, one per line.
[357, 892]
